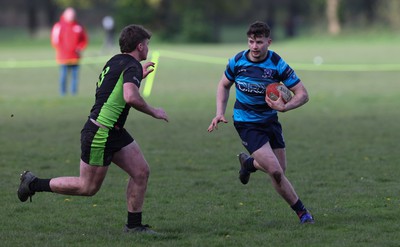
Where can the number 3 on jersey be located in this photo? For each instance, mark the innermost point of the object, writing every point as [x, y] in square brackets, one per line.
[102, 75]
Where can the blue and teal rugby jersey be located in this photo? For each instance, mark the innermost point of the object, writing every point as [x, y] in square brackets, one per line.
[251, 80]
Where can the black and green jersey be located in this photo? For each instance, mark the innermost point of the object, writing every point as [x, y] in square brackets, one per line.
[110, 108]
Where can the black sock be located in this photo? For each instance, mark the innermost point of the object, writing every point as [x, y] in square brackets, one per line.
[299, 208]
[134, 219]
[249, 165]
[39, 185]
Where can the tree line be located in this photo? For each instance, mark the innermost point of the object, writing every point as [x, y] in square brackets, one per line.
[201, 21]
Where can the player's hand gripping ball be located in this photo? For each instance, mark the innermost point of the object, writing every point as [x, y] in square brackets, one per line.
[274, 90]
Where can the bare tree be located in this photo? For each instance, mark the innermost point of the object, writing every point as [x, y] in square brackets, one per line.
[31, 8]
[332, 7]
[389, 10]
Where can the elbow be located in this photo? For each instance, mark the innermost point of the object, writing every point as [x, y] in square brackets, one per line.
[130, 102]
[306, 98]
[130, 99]
[137, 104]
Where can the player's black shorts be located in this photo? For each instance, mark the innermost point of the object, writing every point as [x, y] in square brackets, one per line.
[98, 145]
[255, 135]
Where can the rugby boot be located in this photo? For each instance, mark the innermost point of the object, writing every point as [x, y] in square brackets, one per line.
[306, 218]
[140, 229]
[24, 192]
[244, 174]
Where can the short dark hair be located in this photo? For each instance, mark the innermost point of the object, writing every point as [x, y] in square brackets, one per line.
[131, 36]
[259, 29]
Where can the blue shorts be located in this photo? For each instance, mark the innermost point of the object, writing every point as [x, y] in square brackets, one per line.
[98, 145]
[256, 135]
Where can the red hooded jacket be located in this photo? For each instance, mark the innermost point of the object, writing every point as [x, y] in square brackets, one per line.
[69, 39]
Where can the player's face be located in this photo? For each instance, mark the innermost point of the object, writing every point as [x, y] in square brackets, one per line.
[258, 48]
[144, 49]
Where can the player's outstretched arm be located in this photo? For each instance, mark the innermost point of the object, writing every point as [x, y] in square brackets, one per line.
[215, 121]
[133, 98]
[224, 86]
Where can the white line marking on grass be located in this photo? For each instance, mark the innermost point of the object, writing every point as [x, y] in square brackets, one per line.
[17, 64]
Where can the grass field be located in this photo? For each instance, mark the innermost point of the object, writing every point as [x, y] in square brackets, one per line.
[341, 146]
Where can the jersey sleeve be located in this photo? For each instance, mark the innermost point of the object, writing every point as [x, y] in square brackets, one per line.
[230, 67]
[287, 74]
[229, 71]
[133, 74]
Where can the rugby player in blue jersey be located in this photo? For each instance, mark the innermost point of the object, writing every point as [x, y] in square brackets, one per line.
[255, 116]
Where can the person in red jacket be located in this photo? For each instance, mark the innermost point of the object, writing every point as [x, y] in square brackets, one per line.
[69, 39]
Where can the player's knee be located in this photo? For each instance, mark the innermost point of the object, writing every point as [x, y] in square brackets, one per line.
[277, 176]
[90, 190]
[142, 174]
[145, 172]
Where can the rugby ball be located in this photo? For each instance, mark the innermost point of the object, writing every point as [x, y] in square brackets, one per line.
[274, 90]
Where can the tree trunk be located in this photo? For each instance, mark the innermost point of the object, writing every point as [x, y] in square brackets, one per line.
[32, 18]
[51, 12]
[332, 7]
